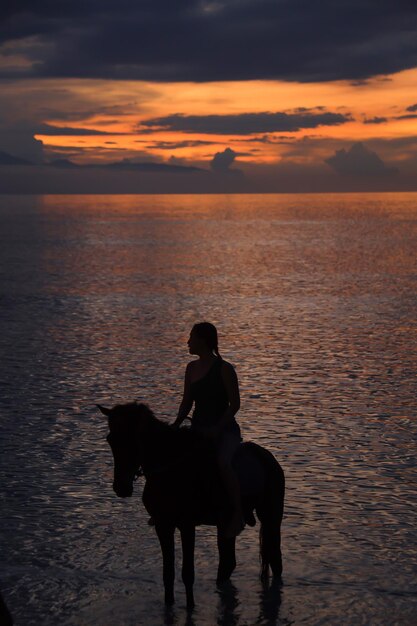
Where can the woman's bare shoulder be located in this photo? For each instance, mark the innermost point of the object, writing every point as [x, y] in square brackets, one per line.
[228, 367]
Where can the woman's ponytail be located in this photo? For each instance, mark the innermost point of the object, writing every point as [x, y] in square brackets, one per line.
[217, 353]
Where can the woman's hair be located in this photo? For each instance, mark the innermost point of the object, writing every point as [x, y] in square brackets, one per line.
[208, 332]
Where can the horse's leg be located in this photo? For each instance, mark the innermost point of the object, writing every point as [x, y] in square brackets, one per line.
[165, 534]
[270, 513]
[188, 540]
[227, 558]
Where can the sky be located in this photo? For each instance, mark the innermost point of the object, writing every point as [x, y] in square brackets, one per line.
[204, 95]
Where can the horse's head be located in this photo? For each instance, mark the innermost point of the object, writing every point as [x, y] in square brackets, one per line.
[126, 424]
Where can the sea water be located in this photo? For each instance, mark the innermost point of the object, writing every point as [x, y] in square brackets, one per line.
[314, 297]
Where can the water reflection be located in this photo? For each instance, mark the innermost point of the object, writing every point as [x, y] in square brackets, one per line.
[270, 603]
[231, 610]
[228, 613]
[314, 297]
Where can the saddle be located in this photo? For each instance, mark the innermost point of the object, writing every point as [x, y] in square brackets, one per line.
[209, 495]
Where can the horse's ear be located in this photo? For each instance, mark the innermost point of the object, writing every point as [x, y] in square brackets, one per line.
[106, 412]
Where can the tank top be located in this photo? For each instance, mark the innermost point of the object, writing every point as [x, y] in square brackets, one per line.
[210, 399]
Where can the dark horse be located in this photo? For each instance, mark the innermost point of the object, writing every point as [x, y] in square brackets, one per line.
[182, 490]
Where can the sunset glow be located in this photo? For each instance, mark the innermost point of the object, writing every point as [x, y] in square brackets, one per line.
[208, 235]
[238, 88]
[375, 100]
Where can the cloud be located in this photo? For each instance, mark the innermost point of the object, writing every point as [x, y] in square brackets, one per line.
[9, 159]
[64, 163]
[412, 108]
[58, 131]
[22, 144]
[128, 164]
[81, 114]
[28, 104]
[65, 178]
[246, 123]
[174, 145]
[272, 139]
[375, 120]
[410, 116]
[397, 143]
[209, 40]
[359, 161]
[223, 160]
[285, 176]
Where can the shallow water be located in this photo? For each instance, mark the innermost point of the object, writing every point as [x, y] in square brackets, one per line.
[315, 299]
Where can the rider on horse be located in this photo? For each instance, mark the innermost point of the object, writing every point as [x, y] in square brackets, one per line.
[212, 386]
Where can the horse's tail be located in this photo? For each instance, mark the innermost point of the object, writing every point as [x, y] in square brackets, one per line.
[270, 511]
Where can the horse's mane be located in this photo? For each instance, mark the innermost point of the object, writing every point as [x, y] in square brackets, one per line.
[156, 422]
[135, 410]
[157, 435]
[160, 428]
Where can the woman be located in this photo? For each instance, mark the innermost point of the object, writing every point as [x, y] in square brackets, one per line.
[211, 384]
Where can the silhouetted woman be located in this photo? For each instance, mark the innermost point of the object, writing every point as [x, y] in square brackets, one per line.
[211, 385]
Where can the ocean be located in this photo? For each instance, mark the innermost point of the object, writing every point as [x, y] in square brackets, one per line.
[314, 297]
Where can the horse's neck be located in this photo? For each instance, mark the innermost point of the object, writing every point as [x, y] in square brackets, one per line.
[159, 447]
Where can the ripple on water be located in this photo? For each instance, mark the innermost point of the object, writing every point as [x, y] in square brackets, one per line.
[314, 297]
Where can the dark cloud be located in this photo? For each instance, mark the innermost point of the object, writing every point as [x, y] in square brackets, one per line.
[206, 40]
[285, 176]
[9, 159]
[290, 177]
[412, 108]
[66, 177]
[376, 120]
[22, 144]
[246, 123]
[96, 155]
[26, 105]
[128, 164]
[271, 139]
[53, 152]
[359, 161]
[82, 114]
[411, 116]
[48, 129]
[173, 145]
[63, 164]
[223, 160]
[397, 143]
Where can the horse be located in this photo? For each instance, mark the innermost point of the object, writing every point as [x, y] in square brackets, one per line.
[182, 490]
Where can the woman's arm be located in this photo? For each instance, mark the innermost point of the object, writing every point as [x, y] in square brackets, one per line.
[187, 400]
[232, 388]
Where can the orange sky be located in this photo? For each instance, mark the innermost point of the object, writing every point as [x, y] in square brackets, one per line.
[128, 103]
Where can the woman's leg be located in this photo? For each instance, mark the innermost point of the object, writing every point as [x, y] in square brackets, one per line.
[227, 447]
